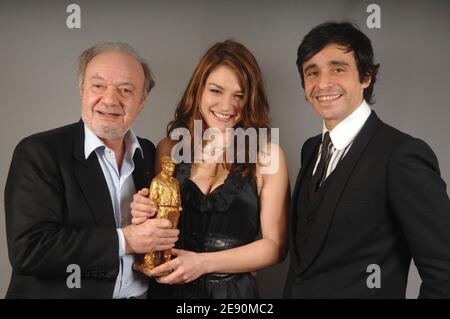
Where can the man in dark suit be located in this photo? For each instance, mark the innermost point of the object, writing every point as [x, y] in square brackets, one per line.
[368, 198]
[68, 193]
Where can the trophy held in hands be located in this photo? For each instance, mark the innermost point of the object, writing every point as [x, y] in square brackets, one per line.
[165, 193]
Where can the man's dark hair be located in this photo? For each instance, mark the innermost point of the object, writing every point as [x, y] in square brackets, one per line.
[345, 34]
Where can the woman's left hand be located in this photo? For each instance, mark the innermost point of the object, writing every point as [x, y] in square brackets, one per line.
[187, 267]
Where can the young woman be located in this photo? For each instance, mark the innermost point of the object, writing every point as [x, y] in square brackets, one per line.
[233, 220]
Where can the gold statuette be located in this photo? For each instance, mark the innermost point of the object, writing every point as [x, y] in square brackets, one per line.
[165, 193]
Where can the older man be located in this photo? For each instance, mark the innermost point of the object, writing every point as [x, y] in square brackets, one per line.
[68, 193]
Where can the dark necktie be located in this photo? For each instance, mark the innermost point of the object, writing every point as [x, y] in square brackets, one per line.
[321, 169]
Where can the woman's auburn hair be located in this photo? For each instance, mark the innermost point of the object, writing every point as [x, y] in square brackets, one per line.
[255, 111]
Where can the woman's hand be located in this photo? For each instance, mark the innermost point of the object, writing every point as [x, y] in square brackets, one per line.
[187, 267]
[142, 207]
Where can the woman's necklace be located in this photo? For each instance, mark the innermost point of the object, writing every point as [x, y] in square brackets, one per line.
[209, 148]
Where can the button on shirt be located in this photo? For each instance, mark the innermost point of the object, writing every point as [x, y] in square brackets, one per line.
[343, 134]
[121, 188]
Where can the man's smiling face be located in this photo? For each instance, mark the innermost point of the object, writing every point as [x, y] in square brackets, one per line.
[332, 84]
[112, 94]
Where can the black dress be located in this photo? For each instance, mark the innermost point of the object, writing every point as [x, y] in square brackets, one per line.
[227, 217]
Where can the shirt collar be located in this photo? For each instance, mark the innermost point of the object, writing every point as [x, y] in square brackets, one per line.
[93, 142]
[345, 132]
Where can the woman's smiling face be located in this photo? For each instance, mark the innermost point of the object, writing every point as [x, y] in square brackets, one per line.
[222, 99]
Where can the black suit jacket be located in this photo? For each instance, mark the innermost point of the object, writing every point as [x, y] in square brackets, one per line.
[59, 212]
[384, 204]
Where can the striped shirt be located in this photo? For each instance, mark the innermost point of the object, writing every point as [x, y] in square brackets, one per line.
[343, 135]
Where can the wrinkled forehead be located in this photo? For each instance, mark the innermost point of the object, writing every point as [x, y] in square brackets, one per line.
[116, 65]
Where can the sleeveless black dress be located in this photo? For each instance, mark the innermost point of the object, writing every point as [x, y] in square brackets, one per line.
[227, 217]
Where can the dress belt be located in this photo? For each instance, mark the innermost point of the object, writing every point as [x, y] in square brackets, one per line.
[211, 243]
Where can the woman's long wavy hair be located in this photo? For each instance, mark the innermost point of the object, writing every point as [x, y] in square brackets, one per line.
[255, 111]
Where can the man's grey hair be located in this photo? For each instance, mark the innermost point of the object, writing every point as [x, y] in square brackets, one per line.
[89, 54]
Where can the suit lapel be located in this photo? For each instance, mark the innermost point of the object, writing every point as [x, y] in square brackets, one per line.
[143, 170]
[92, 181]
[293, 218]
[325, 206]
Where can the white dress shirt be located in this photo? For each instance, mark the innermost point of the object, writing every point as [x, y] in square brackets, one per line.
[343, 134]
[121, 187]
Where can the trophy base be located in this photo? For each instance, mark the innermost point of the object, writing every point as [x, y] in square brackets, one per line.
[146, 270]
[142, 267]
[151, 261]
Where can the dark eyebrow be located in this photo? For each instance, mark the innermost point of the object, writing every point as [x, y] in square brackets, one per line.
[338, 63]
[309, 67]
[220, 87]
[332, 62]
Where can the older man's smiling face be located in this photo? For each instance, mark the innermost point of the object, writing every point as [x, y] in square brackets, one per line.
[112, 94]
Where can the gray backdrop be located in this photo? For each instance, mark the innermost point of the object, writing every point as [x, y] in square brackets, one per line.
[38, 87]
